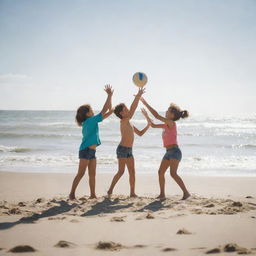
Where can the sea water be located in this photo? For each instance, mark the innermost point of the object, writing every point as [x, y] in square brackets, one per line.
[48, 141]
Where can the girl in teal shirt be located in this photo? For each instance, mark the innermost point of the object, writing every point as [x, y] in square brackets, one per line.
[90, 130]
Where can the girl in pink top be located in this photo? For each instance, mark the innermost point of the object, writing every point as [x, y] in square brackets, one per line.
[173, 154]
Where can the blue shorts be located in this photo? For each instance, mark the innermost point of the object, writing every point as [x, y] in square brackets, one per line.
[123, 152]
[173, 153]
[87, 153]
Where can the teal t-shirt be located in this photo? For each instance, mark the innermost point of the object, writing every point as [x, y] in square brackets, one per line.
[90, 131]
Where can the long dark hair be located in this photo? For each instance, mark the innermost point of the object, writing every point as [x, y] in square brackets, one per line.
[178, 113]
[81, 114]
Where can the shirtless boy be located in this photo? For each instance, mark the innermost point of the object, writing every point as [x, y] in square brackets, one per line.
[124, 150]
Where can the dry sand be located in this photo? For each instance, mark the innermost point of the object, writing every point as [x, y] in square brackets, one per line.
[35, 216]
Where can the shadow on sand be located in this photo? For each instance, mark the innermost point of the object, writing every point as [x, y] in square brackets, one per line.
[153, 206]
[106, 206]
[53, 211]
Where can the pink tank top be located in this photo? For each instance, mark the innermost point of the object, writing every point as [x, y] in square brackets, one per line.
[169, 135]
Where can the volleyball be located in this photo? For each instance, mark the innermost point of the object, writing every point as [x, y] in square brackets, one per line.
[139, 79]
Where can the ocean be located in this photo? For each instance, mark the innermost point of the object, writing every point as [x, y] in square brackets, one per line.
[48, 141]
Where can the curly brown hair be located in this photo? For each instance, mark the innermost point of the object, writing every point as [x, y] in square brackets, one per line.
[81, 114]
[178, 113]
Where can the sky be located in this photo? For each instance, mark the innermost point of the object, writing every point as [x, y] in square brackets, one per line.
[59, 54]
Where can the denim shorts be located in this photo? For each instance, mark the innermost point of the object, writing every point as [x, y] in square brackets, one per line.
[123, 152]
[87, 153]
[173, 153]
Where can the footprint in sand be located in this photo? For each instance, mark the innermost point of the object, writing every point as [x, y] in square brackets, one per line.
[65, 244]
[235, 248]
[183, 231]
[148, 216]
[117, 219]
[74, 221]
[83, 199]
[139, 246]
[4, 207]
[169, 249]
[237, 204]
[110, 246]
[22, 248]
[209, 205]
[57, 218]
[15, 211]
[40, 200]
[229, 248]
[214, 250]
[21, 204]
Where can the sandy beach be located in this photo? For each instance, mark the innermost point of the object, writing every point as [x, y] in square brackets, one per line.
[220, 216]
[146, 86]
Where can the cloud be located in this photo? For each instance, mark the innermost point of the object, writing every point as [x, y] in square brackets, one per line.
[14, 79]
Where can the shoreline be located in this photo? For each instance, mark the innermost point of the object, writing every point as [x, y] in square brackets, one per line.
[146, 184]
[180, 172]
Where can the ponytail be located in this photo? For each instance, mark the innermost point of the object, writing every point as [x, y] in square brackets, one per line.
[184, 114]
[177, 112]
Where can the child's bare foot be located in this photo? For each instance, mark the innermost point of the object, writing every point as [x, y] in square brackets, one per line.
[109, 193]
[71, 197]
[161, 197]
[186, 196]
[133, 195]
[93, 197]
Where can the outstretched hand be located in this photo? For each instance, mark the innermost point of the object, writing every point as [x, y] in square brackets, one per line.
[108, 89]
[144, 112]
[141, 91]
[136, 102]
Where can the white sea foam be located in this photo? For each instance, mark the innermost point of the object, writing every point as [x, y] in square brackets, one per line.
[51, 139]
[14, 149]
[37, 135]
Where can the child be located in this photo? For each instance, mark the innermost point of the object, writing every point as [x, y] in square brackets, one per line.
[124, 150]
[90, 130]
[173, 154]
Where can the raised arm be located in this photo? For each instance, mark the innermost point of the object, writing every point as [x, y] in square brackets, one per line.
[155, 113]
[153, 125]
[108, 103]
[107, 114]
[150, 122]
[141, 132]
[135, 102]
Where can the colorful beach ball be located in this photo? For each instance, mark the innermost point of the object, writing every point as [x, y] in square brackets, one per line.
[139, 79]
